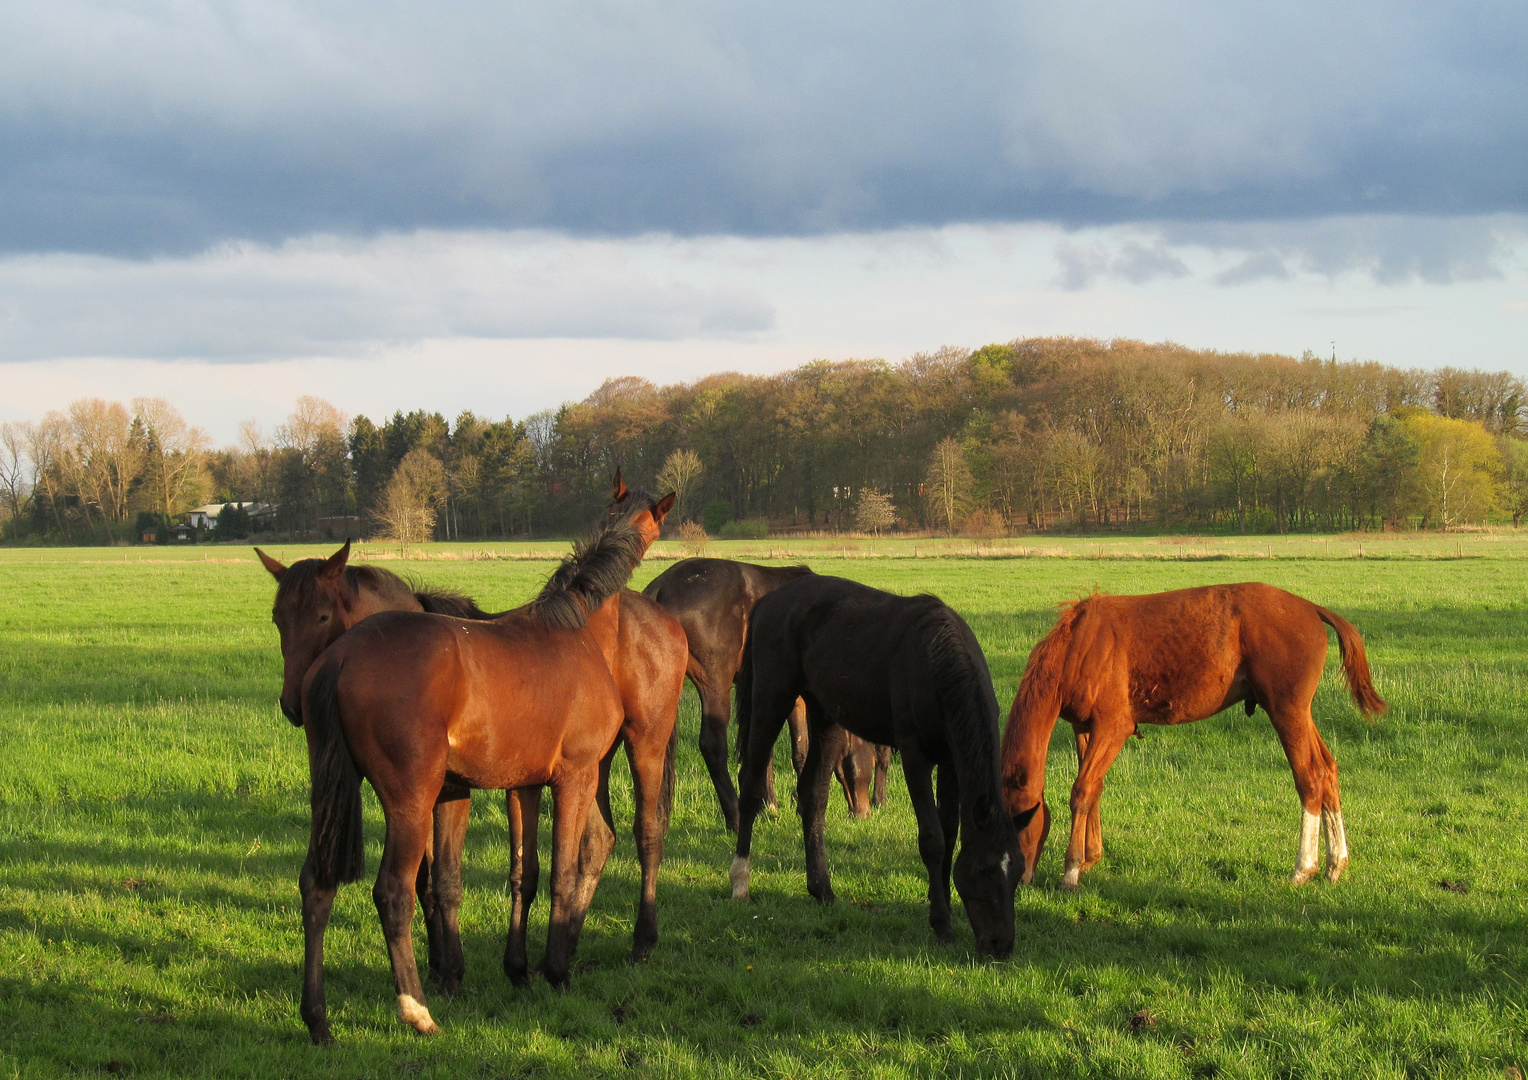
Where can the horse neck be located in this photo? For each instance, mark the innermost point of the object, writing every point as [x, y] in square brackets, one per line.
[604, 626]
[370, 599]
[1026, 739]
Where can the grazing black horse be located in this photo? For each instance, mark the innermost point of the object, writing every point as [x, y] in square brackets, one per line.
[904, 671]
[711, 598]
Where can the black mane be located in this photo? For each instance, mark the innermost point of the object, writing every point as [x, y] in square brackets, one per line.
[298, 579]
[598, 568]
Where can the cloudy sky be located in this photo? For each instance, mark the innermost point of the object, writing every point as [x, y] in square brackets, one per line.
[496, 206]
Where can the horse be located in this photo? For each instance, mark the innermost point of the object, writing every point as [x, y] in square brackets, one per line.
[318, 599]
[712, 599]
[899, 671]
[413, 701]
[1112, 663]
[861, 772]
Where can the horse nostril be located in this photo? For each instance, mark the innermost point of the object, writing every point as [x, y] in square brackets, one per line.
[290, 713]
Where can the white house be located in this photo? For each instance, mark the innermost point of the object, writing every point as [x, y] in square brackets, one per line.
[206, 517]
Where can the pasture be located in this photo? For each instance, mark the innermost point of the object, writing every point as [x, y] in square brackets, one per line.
[153, 818]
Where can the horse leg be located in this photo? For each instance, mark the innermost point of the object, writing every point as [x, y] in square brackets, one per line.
[766, 716]
[918, 771]
[317, 903]
[882, 769]
[1315, 775]
[524, 810]
[408, 836]
[573, 794]
[1094, 848]
[647, 827]
[715, 714]
[1331, 818]
[450, 835]
[816, 785]
[1099, 752]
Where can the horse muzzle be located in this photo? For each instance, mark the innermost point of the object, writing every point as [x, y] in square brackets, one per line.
[290, 713]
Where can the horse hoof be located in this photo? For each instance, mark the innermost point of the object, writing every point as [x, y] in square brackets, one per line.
[1334, 870]
[944, 935]
[1071, 881]
[738, 875]
[320, 1035]
[415, 1015]
[1300, 877]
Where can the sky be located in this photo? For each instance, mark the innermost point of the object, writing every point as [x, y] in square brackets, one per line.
[497, 206]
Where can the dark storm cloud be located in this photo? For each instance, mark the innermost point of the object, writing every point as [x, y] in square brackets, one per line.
[168, 126]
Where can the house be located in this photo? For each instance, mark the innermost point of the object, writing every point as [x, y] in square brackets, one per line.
[206, 517]
[182, 534]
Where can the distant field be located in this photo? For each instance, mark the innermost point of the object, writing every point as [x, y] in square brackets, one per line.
[153, 817]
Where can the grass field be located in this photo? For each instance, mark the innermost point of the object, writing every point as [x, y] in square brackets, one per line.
[153, 817]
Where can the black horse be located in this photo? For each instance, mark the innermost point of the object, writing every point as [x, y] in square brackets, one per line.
[895, 670]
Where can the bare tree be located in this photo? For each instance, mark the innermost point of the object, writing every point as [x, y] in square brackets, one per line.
[681, 469]
[312, 421]
[948, 483]
[16, 479]
[412, 498]
[102, 459]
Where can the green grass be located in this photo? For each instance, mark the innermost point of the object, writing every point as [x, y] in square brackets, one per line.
[153, 817]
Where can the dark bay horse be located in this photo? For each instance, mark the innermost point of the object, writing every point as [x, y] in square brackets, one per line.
[1114, 662]
[318, 599]
[711, 598]
[414, 701]
[899, 671]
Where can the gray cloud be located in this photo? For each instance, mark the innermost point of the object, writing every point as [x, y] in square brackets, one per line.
[327, 297]
[168, 126]
[1259, 266]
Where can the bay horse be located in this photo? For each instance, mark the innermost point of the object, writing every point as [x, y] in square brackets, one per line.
[711, 598]
[1112, 663]
[413, 701]
[318, 599]
[899, 671]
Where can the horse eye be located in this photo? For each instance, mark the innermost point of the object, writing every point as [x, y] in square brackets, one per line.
[324, 617]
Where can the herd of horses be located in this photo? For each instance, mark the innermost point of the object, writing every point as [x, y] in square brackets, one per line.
[426, 696]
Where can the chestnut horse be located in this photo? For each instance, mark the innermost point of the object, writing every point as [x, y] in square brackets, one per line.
[318, 599]
[711, 599]
[1112, 663]
[414, 701]
[894, 670]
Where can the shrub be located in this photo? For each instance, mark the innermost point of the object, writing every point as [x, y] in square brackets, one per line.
[693, 538]
[715, 515]
[748, 529]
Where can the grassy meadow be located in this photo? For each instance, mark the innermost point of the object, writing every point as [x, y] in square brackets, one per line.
[153, 817]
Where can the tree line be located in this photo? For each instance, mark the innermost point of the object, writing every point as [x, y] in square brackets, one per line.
[1036, 434]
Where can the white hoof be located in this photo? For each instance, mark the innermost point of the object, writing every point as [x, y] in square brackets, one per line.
[739, 876]
[1071, 881]
[416, 1016]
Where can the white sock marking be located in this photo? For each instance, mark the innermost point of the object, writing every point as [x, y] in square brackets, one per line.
[1310, 847]
[415, 1015]
[739, 876]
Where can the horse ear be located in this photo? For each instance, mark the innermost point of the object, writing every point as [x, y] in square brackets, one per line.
[618, 490]
[664, 505]
[1022, 819]
[271, 564]
[335, 563]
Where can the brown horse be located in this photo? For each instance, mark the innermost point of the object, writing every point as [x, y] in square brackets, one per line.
[712, 599]
[415, 701]
[1112, 663]
[318, 599]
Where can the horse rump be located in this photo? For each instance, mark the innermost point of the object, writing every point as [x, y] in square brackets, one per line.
[336, 850]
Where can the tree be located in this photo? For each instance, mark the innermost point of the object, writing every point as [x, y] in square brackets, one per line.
[1459, 468]
[1514, 488]
[874, 512]
[412, 498]
[174, 455]
[16, 480]
[680, 473]
[948, 484]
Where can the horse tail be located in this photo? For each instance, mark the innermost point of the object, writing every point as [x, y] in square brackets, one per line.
[666, 792]
[963, 688]
[335, 849]
[1036, 707]
[1355, 665]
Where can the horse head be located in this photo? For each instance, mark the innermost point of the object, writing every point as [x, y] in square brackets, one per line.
[636, 507]
[987, 873]
[315, 601]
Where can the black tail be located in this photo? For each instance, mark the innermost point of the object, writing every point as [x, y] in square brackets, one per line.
[666, 796]
[336, 852]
